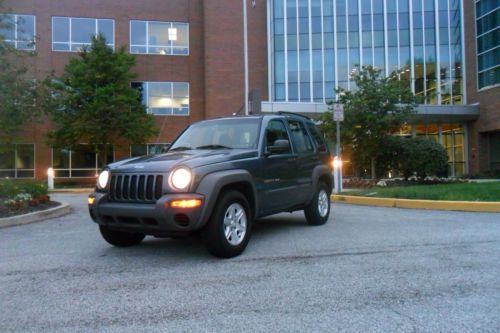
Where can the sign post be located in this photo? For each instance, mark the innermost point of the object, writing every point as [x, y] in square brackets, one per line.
[338, 116]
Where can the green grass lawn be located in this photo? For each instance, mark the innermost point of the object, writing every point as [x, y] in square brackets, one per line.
[457, 192]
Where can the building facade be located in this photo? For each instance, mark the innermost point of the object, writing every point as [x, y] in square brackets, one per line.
[190, 65]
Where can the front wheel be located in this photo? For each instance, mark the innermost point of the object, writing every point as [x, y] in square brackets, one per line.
[120, 238]
[318, 210]
[228, 231]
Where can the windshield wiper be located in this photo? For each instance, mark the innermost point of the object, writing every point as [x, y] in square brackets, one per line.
[213, 147]
[180, 148]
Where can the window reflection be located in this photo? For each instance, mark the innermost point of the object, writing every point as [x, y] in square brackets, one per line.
[72, 34]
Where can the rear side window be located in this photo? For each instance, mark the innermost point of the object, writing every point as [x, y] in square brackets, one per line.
[317, 137]
[300, 137]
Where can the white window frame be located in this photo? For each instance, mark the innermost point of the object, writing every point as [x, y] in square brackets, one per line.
[16, 41]
[70, 43]
[16, 169]
[147, 45]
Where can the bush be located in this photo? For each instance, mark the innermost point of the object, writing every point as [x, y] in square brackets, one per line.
[424, 157]
[36, 190]
[420, 156]
[10, 189]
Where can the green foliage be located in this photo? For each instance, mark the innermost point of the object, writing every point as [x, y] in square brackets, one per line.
[93, 102]
[424, 157]
[420, 156]
[377, 105]
[35, 189]
[391, 154]
[18, 91]
[10, 189]
[460, 192]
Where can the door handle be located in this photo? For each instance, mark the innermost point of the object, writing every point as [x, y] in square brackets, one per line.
[292, 160]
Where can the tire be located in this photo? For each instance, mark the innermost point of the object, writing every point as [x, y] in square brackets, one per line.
[318, 211]
[120, 238]
[225, 222]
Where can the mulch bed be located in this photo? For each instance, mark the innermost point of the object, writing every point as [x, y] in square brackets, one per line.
[6, 212]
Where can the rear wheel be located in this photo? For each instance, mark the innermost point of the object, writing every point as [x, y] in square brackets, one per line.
[120, 238]
[228, 231]
[318, 211]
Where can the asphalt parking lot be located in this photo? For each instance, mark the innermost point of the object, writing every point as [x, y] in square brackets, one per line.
[367, 270]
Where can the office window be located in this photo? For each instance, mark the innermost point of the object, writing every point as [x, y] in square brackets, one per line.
[165, 98]
[79, 162]
[17, 161]
[19, 31]
[148, 149]
[488, 51]
[71, 34]
[166, 38]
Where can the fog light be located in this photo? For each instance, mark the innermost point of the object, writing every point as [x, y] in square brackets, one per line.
[91, 200]
[186, 203]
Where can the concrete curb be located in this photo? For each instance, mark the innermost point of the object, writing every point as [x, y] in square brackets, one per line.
[464, 206]
[72, 190]
[62, 209]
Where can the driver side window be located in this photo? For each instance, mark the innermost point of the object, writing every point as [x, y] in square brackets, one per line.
[276, 130]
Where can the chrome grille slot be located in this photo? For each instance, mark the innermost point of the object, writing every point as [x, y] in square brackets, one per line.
[135, 187]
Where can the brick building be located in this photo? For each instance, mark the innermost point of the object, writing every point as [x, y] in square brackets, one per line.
[190, 64]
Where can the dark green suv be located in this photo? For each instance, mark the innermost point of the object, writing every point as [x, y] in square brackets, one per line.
[217, 177]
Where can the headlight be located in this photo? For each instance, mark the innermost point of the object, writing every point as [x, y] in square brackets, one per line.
[180, 178]
[102, 180]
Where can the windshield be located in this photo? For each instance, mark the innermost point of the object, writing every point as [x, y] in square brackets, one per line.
[237, 133]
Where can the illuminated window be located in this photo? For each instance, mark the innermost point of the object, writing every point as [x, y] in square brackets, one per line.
[165, 98]
[152, 37]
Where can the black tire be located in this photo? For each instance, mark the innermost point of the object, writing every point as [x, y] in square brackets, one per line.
[213, 235]
[120, 238]
[313, 213]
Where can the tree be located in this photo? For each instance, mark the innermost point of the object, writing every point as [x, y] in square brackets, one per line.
[18, 91]
[93, 101]
[377, 105]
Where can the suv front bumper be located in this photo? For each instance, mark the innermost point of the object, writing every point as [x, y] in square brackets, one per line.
[159, 218]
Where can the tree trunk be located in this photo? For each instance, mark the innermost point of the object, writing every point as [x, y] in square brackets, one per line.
[103, 154]
[374, 173]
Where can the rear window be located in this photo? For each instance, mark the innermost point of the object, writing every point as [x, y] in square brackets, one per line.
[317, 137]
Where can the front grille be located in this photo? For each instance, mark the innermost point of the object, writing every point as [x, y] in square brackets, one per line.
[135, 188]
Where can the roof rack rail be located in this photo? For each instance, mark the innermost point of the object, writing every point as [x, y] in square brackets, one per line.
[293, 114]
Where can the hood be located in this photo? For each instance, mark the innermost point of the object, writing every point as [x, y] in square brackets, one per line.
[190, 158]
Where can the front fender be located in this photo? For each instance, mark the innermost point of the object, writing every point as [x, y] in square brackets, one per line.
[211, 185]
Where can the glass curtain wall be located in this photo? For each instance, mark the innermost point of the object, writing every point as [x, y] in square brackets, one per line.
[318, 43]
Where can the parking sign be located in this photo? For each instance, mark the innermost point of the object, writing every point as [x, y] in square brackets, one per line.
[338, 112]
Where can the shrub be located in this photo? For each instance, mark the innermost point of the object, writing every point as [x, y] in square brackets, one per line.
[424, 157]
[420, 156]
[10, 189]
[36, 190]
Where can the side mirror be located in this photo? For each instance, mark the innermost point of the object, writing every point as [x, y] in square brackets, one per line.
[279, 146]
[165, 148]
